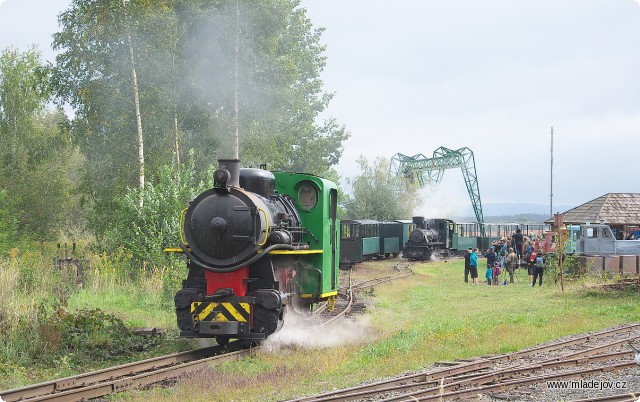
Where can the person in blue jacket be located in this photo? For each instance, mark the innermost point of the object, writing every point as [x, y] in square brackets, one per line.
[489, 275]
[473, 266]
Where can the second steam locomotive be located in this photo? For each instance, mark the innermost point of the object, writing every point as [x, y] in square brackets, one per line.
[258, 244]
[423, 241]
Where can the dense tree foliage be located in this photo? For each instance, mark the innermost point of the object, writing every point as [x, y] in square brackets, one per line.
[375, 194]
[36, 156]
[146, 230]
[8, 222]
[204, 70]
[159, 89]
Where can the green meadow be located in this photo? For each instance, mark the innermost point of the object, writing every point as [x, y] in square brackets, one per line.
[409, 325]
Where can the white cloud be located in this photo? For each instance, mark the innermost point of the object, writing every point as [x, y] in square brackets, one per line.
[493, 77]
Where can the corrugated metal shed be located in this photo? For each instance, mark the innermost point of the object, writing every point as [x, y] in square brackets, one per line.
[616, 209]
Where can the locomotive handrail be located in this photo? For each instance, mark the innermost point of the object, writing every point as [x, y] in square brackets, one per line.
[283, 252]
[182, 215]
[251, 260]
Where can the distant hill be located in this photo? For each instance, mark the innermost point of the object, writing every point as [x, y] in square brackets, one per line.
[514, 209]
[512, 213]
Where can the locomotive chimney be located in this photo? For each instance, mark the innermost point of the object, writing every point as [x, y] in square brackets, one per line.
[233, 167]
[419, 221]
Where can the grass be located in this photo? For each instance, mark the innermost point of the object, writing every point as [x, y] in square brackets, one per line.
[143, 310]
[415, 322]
[410, 324]
[38, 303]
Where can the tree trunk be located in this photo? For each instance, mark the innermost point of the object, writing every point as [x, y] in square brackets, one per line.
[236, 117]
[136, 99]
[177, 142]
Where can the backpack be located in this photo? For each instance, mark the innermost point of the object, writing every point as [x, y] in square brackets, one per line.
[532, 257]
[498, 271]
[502, 253]
[539, 261]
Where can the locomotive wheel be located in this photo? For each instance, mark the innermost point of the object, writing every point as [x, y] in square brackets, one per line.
[222, 340]
[345, 265]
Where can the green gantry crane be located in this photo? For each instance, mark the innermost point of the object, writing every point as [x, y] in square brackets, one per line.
[429, 171]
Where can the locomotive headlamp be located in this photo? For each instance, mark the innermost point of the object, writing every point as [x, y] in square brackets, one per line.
[221, 177]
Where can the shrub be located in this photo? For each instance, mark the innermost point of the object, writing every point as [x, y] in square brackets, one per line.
[96, 335]
[145, 230]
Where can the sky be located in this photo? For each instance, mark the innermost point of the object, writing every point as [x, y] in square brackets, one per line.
[490, 75]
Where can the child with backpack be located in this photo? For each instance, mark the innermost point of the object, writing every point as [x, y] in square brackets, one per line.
[496, 272]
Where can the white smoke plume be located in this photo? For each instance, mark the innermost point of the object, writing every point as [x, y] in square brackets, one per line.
[298, 333]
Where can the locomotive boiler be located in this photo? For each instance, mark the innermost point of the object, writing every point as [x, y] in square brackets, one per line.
[258, 245]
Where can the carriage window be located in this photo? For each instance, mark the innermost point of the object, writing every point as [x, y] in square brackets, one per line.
[591, 232]
[345, 231]
[607, 233]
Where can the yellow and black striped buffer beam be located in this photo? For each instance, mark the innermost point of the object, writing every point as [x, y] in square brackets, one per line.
[221, 312]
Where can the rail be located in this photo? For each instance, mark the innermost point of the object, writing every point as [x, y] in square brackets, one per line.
[128, 376]
[448, 382]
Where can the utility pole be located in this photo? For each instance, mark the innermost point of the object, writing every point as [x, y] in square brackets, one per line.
[551, 191]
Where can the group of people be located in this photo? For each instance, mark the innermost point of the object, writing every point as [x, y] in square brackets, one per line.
[506, 258]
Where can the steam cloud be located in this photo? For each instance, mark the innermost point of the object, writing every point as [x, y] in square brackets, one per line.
[302, 333]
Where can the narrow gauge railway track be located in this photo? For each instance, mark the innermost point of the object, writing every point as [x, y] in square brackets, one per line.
[128, 376]
[346, 299]
[502, 373]
[344, 305]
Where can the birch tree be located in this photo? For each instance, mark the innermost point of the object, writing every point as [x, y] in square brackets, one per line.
[136, 104]
[208, 75]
